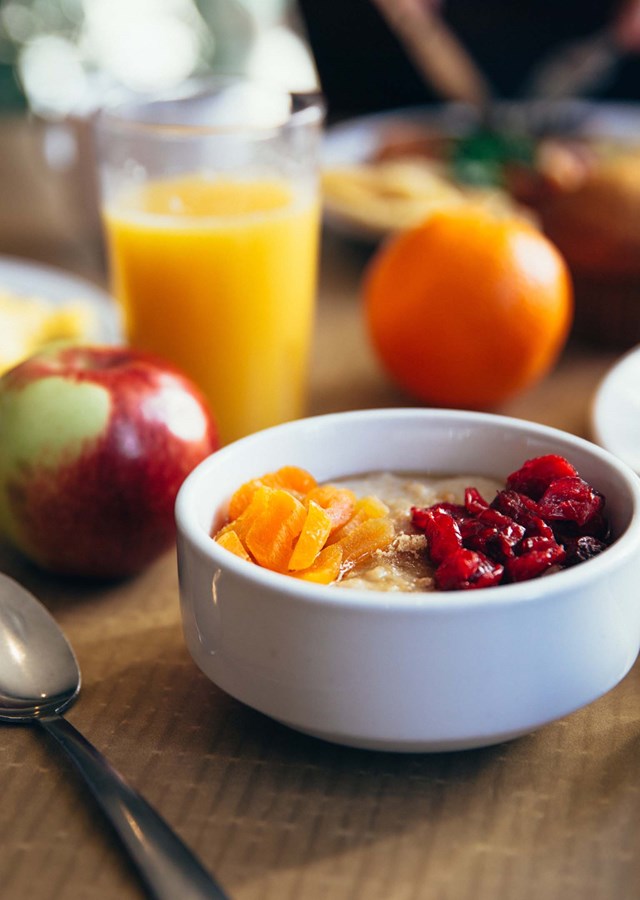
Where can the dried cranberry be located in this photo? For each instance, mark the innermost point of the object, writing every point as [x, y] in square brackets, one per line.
[547, 516]
[535, 475]
[556, 550]
[579, 549]
[419, 515]
[442, 533]
[597, 526]
[467, 570]
[474, 502]
[570, 499]
[492, 533]
[509, 531]
[476, 535]
[523, 510]
[499, 520]
[541, 555]
[487, 540]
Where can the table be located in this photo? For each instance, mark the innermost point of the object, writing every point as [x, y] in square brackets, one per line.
[275, 814]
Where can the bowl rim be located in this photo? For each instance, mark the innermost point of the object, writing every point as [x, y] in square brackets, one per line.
[299, 591]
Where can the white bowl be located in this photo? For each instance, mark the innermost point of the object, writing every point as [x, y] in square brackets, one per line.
[415, 671]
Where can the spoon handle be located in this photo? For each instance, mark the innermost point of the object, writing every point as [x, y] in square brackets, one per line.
[167, 867]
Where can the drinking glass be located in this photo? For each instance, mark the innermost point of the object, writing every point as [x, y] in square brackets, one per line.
[210, 201]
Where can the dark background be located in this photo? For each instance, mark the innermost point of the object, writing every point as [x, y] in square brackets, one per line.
[363, 68]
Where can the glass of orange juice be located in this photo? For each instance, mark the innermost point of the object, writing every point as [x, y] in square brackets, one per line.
[211, 208]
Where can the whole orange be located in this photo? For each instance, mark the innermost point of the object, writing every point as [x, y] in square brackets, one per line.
[469, 308]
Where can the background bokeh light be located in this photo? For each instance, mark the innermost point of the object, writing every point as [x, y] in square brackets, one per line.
[67, 57]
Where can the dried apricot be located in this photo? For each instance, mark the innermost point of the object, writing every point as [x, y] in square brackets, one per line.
[276, 521]
[241, 499]
[365, 508]
[313, 536]
[339, 503]
[325, 569]
[293, 478]
[286, 522]
[369, 536]
[242, 523]
[230, 541]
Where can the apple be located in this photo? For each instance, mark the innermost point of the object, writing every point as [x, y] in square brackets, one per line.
[94, 444]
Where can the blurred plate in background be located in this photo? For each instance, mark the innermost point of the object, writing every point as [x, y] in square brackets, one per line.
[33, 280]
[615, 415]
[416, 135]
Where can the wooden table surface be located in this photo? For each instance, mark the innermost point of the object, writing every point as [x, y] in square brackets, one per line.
[278, 815]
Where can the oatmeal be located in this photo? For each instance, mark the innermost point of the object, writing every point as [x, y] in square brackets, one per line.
[405, 564]
[391, 532]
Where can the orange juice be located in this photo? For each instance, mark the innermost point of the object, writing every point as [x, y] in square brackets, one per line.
[218, 276]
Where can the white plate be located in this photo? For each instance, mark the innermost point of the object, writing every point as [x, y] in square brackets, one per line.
[33, 279]
[615, 413]
[359, 139]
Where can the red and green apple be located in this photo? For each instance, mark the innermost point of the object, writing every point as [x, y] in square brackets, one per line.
[94, 445]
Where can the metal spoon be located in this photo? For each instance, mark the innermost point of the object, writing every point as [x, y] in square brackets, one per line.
[39, 678]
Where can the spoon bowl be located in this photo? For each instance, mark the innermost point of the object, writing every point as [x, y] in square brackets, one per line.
[33, 685]
[39, 679]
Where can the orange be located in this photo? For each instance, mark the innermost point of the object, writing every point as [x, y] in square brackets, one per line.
[469, 308]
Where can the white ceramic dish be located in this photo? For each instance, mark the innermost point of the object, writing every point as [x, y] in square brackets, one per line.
[408, 672]
[358, 139]
[361, 138]
[615, 412]
[33, 279]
